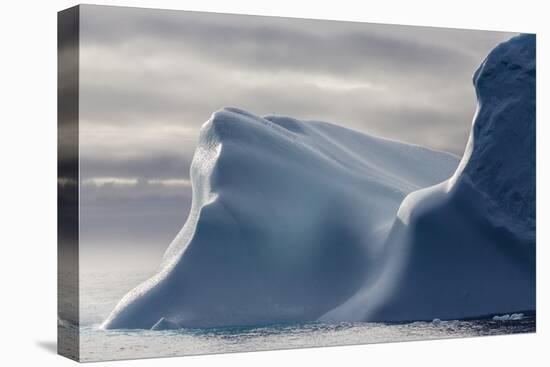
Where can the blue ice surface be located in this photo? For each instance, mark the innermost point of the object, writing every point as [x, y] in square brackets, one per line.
[298, 221]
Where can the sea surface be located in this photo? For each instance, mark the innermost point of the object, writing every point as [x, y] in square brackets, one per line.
[100, 292]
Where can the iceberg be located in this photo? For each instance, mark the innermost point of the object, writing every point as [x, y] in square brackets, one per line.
[466, 247]
[288, 219]
[517, 316]
[296, 220]
[507, 317]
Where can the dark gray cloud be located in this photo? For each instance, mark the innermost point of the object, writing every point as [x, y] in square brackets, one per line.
[150, 78]
[275, 43]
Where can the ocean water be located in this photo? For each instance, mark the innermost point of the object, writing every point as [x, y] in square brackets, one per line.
[101, 291]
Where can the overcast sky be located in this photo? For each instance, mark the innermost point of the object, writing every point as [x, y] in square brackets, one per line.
[150, 78]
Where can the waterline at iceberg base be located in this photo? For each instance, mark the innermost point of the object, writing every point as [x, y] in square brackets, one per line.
[310, 230]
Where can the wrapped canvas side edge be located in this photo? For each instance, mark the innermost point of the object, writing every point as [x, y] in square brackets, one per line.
[68, 183]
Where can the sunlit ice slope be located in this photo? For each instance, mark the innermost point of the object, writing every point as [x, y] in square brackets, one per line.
[289, 218]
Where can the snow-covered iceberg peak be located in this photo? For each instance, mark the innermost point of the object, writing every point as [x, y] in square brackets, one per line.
[499, 160]
[288, 220]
